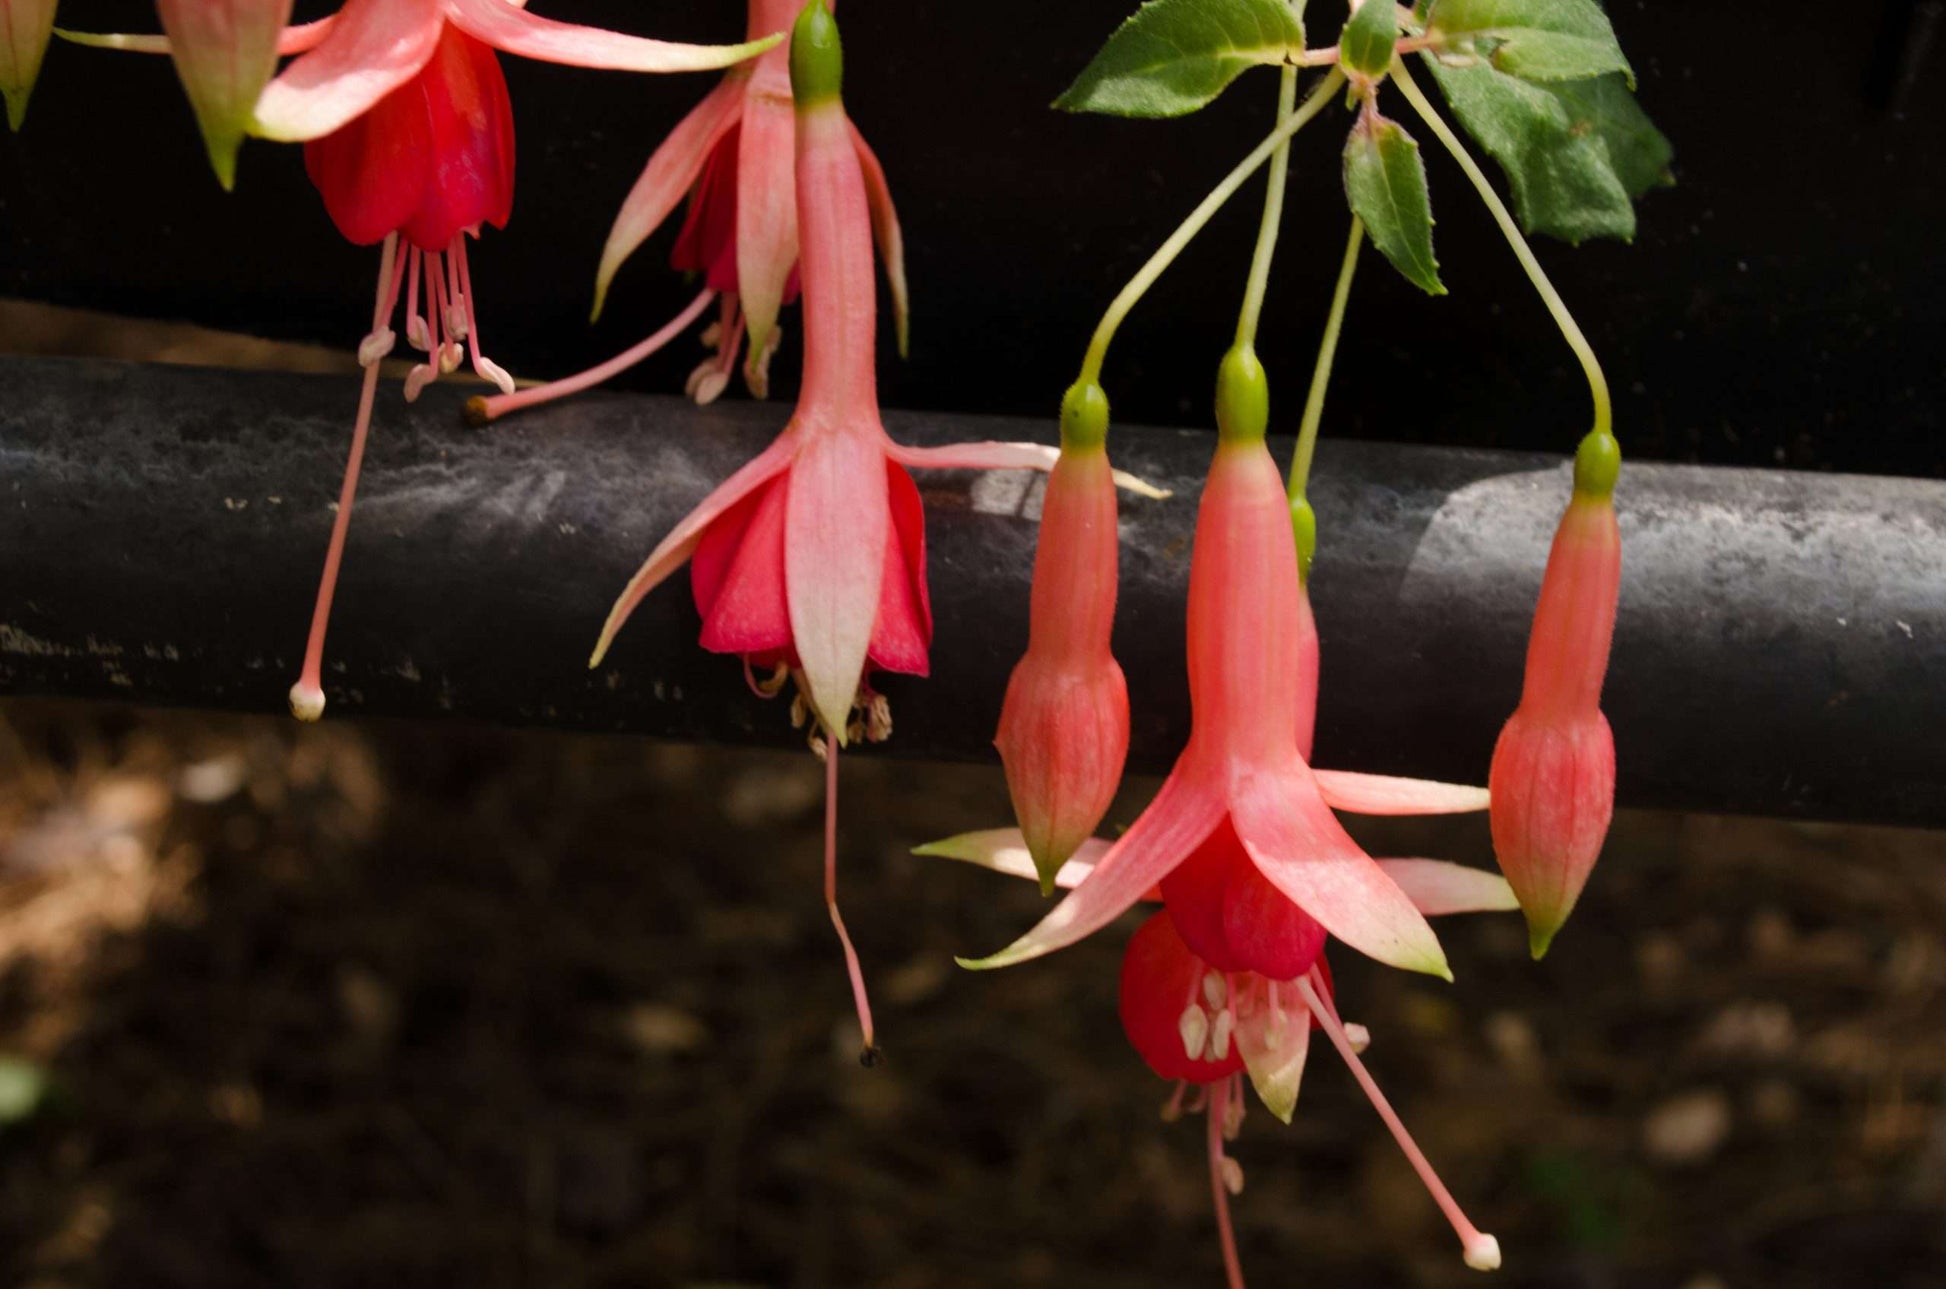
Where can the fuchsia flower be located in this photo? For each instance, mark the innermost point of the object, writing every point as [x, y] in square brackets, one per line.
[1553, 776]
[1241, 792]
[409, 133]
[732, 156]
[25, 28]
[811, 559]
[812, 556]
[1064, 725]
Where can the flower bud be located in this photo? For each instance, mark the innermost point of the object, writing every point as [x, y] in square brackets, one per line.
[1064, 725]
[1553, 775]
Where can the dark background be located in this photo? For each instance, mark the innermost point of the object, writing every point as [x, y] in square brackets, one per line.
[1784, 304]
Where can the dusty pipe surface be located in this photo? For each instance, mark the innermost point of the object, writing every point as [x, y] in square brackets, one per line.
[1781, 646]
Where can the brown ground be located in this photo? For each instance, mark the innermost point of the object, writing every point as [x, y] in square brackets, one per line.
[394, 1005]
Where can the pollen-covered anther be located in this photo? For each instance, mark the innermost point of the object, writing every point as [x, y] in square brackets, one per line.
[1219, 1038]
[450, 358]
[376, 345]
[417, 379]
[1194, 1027]
[1215, 992]
[1358, 1036]
[494, 372]
[1232, 1173]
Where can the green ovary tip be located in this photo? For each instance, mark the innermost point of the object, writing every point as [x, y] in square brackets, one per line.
[1084, 416]
[817, 56]
[1597, 464]
[1242, 397]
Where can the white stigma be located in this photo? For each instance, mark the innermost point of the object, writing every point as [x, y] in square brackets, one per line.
[1194, 1028]
[307, 702]
[1483, 1253]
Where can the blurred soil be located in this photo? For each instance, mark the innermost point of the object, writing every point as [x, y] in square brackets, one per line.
[379, 1004]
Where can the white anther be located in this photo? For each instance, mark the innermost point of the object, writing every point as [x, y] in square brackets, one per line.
[1219, 1039]
[1483, 1253]
[707, 383]
[376, 346]
[417, 379]
[1232, 1175]
[417, 335]
[450, 357]
[456, 320]
[1358, 1036]
[1194, 1028]
[1214, 989]
[494, 372]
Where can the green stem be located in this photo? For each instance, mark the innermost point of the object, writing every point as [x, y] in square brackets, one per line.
[1334, 324]
[1166, 254]
[1597, 383]
[1280, 169]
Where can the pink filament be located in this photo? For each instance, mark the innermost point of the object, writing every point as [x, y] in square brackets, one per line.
[1315, 995]
[1219, 1105]
[307, 696]
[489, 409]
[869, 1056]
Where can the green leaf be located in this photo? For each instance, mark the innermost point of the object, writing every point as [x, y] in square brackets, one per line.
[1576, 153]
[1174, 56]
[1537, 40]
[1385, 182]
[1365, 44]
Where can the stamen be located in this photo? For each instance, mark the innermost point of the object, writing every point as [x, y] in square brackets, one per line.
[1219, 1039]
[427, 372]
[1358, 1036]
[1193, 1025]
[1214, 989]
[1482, 1251]
[483, 366]
[1232, 1176]
[708, 381]
[1172, 1108]
[869, 1055]
[1233, 1110]
[307, 695]
[416, 334]
[379, 341]
[482, 410]
[457, 304]
[1220, 1189]
[878, 718]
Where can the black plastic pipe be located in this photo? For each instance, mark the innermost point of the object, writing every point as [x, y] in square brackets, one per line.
[1781, 647]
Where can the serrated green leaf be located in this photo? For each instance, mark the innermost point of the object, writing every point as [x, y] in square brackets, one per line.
[1576, 153]
[1385, 182]
[1537, 40]
[1365, 44]
[1174, 56]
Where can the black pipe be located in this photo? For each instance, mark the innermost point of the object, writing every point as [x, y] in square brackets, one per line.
[1781, 647]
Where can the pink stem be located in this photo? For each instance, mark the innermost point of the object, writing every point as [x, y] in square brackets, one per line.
[307, 695]
[869, 1056]
[1482, 1251]
[482, 410]
[1218, 1104]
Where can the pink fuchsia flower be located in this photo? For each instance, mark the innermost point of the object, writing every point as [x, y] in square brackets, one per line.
[1063, 734]
[409, 133]
[1199, 1022]
[25, 28]
[1243, 780]
[733, 158]
[1553, 776]
[811, 558]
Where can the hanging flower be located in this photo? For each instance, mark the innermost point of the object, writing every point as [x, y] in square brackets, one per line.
[733, 157]
[1063, 733]
[1553, 776]
[1242, 792]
